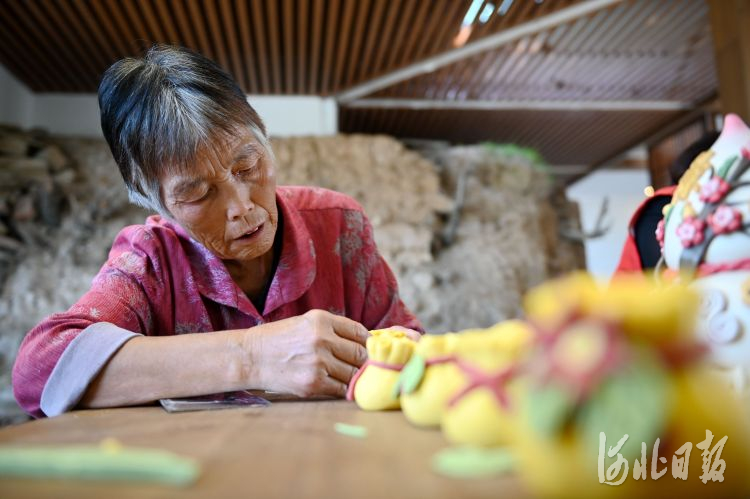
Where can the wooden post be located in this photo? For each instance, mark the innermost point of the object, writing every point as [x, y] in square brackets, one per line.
[730, 24]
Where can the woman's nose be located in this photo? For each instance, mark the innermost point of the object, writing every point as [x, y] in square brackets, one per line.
[238, 203]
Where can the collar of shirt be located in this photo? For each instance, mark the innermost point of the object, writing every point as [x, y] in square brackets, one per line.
[294, 274]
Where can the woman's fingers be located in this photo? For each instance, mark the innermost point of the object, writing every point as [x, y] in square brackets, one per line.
[340, 370]
[349, 329]
[332, 386]
[348, 351]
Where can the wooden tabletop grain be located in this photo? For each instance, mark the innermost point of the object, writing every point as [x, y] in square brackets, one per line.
[287, 450]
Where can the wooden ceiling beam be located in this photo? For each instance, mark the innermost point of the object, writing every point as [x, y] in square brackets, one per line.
[76, 34]
[228, 17]
[396, 44]
[121, 27]
[330, 31]
[394, 7]
[183, 25]
[344, 27]
[317, 28]
[20, 29]
[521, 105]
[112, 47]
[729, 21]
[156, 34]
[288, 26]
[248, 63]
[196, 16]
[215, 32]
[259, 31]
[77, 69]
[167, 13]
[441, 11]
[303, 46]
[355, 57]
[373, 32]
[407, 53]
[274, 34]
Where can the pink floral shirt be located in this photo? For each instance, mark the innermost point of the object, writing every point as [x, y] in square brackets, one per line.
[158, 281]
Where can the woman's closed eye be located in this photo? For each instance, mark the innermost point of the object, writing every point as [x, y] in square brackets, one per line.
[245, 172]
[247, 169]
[195, 197]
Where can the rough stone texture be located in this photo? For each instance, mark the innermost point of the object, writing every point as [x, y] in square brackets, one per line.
[506, 240]
[398, 188]
[56, 270]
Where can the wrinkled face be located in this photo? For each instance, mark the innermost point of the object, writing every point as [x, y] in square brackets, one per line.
[227, 201]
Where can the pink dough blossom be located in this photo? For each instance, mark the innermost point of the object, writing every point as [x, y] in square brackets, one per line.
[713, 190]
[725, 219]
[690, 231]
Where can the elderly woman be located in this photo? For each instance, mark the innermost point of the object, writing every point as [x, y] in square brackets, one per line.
[287, 280]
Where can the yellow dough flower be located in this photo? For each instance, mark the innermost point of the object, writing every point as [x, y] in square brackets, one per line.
[373, 386]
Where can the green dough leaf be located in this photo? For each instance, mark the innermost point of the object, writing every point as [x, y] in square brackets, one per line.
[350, 430]
[410, 377]
[550, 408]
[95, 463]
[633, 401]
[472, 462]
[724, 168]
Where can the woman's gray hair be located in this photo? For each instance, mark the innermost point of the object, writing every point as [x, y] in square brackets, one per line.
[160, 110]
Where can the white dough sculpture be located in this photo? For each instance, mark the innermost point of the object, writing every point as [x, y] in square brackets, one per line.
[705, 235]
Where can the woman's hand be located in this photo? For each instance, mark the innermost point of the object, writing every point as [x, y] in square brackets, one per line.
[309, 355]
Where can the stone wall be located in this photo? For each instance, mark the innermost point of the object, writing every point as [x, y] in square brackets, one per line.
[505, 239]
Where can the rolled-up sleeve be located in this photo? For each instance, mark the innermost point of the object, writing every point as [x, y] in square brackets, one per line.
[79, 364]
[60, 357]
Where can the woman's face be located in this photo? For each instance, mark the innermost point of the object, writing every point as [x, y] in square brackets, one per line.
[227, 201]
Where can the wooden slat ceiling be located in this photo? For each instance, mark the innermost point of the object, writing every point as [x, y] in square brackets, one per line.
[637, 50]
[270, 46]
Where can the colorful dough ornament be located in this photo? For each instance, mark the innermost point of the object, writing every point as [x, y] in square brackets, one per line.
[623, 360]
[706, 237]
[372, 387]
[485, 409]
[430, 379]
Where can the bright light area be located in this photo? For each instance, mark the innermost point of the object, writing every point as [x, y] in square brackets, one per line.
[471, 14]
[486, 13]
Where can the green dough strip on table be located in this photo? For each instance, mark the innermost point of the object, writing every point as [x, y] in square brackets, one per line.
[472, 462]
[350, 430]
[98, 463]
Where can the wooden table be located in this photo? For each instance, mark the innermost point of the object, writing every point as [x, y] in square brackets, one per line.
[287, 450]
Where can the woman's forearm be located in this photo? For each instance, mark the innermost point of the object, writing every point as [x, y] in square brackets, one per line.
[313, 354]
[149, 368]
